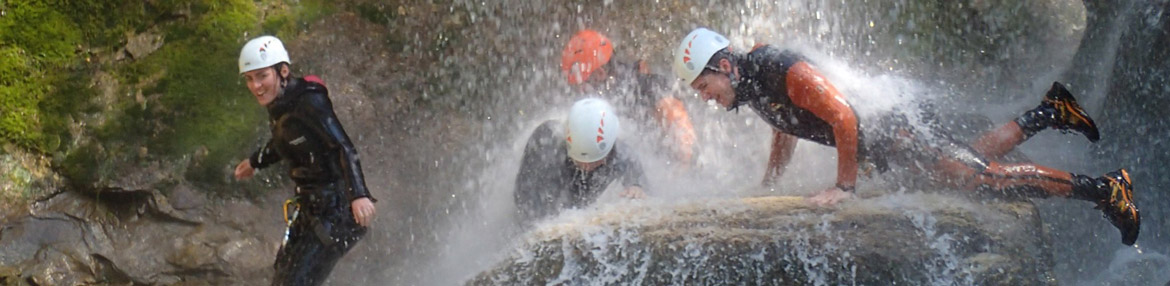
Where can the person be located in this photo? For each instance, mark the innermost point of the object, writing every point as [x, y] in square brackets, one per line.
[788, 93]
[587, 64]
[331, 207]
[569, 165]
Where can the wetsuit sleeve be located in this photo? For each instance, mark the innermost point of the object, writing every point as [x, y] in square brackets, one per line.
[264, 157]
[810, 90]
[351, 167]
[633, 175]
[536, 186]
[672, 114]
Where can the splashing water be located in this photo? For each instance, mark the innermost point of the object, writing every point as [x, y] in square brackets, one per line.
[879, 59]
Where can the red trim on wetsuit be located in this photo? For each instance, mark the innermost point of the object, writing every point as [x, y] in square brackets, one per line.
[1009, 177]
[315, 79]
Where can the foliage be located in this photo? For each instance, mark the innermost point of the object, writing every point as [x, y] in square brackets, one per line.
[182, 103]
[35, 38]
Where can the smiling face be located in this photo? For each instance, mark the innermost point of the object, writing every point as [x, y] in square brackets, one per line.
[716, 85]
[264, 83]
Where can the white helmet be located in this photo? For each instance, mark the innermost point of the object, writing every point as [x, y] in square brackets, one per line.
[695, 50]
[262, 52]
[592, 130]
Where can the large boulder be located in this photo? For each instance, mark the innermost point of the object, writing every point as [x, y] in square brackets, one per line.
[895, 239]
[139, 238]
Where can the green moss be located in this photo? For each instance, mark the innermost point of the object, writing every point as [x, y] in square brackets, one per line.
[19, 95]
[41, 30]
[205, 105]
[192, 101]
[82, 166]
[201, 103]
[117, 17]
[70, 97]
[36, 40]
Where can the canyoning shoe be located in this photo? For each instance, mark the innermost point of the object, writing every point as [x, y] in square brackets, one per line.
[1119, 207]
[1066, 114]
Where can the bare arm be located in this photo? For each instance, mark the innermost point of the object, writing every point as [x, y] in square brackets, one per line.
[783, 146]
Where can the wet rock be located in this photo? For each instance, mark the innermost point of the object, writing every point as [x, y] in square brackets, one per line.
[246, 254]
[27, 177]
[184, 198]
[145, 177]
[895, 239]
[9, 276]
[131, 238]
[193, 254]
[59, 268]
[141, 45]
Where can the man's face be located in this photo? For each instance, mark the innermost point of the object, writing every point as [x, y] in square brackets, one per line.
[715, 86]
[264, 84]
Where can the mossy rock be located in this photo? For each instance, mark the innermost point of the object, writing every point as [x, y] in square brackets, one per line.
[180, 106]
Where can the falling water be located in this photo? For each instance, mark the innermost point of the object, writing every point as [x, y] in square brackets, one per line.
[885, 56]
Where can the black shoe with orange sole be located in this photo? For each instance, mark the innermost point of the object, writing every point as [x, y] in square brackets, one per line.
[1119, 207]
[1066, 114]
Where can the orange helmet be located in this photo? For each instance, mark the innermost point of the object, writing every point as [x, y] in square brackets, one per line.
[586, 51]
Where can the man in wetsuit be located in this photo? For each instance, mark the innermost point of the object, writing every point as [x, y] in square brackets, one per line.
[331, 207]
[640, 95]
[787, 91]
[568, 165]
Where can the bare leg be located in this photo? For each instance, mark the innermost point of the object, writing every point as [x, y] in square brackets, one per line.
[1058, 110]
[998, 142]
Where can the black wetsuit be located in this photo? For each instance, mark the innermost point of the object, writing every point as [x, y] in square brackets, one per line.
[548, 181]
[762, 86]
[635, 93]
[324, 165]
[916, 141]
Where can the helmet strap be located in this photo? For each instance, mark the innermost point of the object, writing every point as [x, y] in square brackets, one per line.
[731, 73]
[735, 80]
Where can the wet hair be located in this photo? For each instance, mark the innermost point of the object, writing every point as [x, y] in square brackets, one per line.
[713, 63]
[283, 79]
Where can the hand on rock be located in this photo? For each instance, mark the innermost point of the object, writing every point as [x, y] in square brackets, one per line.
[829, 197]
[632, 193]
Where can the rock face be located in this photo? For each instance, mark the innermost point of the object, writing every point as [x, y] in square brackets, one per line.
[139, 238]
[896, 239]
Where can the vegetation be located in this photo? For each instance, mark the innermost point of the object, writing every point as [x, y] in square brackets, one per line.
[182, 104]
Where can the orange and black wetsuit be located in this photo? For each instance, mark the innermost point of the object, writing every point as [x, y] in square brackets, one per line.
[548, 180]
[324, 165]
[789, 94]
